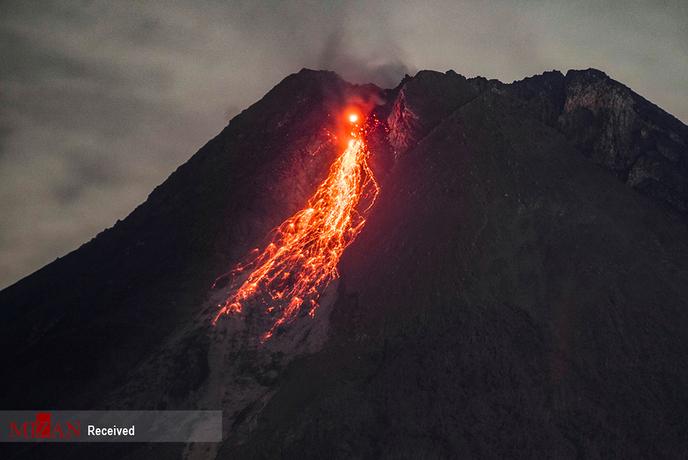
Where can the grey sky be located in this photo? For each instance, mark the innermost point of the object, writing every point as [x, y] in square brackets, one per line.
[100, 101]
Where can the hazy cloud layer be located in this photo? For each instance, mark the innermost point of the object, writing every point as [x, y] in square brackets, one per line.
[100, 101]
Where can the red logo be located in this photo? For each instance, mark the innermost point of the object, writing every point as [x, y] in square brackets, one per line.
[44, 428]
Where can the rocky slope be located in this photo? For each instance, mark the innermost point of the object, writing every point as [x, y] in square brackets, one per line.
[616, 128]
[509, 295]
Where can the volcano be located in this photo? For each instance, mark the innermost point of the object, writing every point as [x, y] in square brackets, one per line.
[515, 286]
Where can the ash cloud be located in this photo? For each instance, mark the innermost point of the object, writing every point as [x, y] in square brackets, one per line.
[385, 68]
[100, 101]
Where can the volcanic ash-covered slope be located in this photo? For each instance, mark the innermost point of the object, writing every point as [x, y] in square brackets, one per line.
[507, 297]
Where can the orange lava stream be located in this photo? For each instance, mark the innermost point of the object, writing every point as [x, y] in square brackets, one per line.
[302, 257]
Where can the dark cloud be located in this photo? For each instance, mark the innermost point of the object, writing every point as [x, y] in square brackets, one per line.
[101, 100]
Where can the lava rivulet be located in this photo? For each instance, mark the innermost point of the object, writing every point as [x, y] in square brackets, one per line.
[300, 261]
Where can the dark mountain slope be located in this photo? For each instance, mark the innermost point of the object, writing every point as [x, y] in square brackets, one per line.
[506, 297]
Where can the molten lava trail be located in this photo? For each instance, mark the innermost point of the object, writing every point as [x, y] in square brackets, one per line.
[301, 260]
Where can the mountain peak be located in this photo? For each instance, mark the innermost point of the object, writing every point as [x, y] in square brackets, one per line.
[590, 73]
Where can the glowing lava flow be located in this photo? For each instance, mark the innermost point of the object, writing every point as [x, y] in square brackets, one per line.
[302, 258]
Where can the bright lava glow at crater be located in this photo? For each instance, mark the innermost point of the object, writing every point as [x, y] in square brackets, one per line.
[301, 260]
